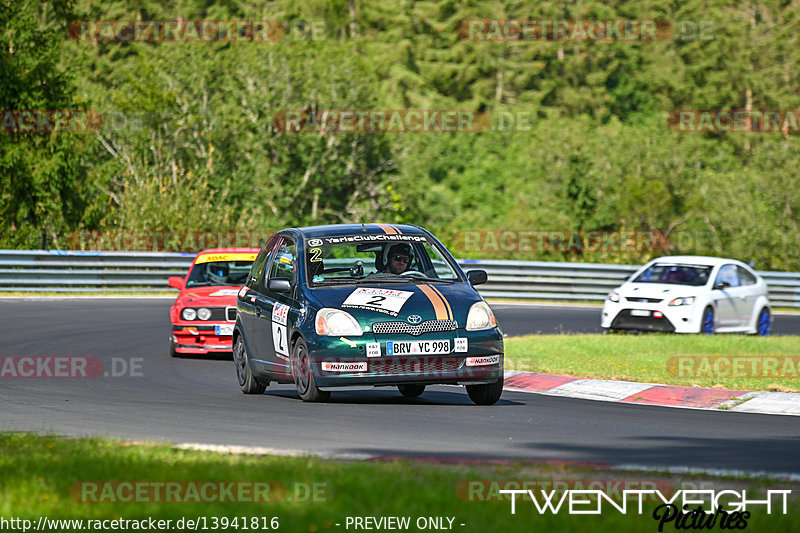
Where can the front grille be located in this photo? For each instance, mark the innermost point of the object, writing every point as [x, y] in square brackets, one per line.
[644, 300]
[409, 365]
[625, 320]
[382, 328]
[217, 314]
[231, 312]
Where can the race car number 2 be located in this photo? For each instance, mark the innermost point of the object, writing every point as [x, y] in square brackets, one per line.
[279, 334]
[386, 301]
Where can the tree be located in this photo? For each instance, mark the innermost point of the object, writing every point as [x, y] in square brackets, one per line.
[42, 188]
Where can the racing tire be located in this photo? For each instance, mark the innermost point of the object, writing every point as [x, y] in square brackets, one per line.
[764, 323]
[707, 325]
[303, 375]
[247, 381]
[411, 391]
[172, 351]
[486, 394]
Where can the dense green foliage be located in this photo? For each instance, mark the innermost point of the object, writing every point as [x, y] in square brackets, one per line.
[190, 140]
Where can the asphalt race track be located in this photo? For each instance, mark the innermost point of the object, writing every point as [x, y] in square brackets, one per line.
[524, 319]
[198, 400]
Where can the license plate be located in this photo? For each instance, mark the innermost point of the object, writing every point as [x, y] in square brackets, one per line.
[640, 312]
[417, 347]
[224, 329]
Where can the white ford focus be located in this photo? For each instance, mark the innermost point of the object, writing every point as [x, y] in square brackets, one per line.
[690, 294]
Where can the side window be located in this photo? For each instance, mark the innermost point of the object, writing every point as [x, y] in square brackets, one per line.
[284, 261]
[260, 264]
[728, 274]
[745, 277]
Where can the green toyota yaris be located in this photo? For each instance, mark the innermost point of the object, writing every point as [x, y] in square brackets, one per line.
[346, 307]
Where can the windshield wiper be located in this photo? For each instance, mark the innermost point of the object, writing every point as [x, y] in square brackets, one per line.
[337, 281]
[410, 279]
[347, 280]
[443, 280]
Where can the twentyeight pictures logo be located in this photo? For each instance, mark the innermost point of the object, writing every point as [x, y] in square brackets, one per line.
[685, 509]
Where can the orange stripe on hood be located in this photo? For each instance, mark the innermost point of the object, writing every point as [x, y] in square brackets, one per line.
[446, 303]
[438, 305]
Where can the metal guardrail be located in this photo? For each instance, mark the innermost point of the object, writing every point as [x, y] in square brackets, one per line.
[86, 271]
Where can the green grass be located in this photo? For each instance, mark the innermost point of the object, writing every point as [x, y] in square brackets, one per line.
[38, 473]
[662, 358]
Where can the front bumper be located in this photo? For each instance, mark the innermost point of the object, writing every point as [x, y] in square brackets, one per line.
[642, 316]
[343, 362]
[201, 339]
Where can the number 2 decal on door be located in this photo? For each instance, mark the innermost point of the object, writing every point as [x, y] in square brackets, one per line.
[280, 341]
[386, 301]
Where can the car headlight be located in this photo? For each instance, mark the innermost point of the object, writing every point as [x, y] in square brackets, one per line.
[480, 317]
[686, 300]
[613, 296]
[203, 313]
[335, 323]
[189, 314]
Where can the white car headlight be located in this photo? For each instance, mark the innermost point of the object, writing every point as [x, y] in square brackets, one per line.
[203, 313]
[480, 317]
[189, 314]
[336, 323]
[613, 296]
[685, 300]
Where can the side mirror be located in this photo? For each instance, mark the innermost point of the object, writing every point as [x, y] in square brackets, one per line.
[175, 282]
[279, 285]
[477, 277]
[721, 285]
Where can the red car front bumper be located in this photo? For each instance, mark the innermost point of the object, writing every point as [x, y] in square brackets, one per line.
[201, 339]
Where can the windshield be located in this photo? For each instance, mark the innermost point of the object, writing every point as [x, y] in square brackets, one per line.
[694, 275]
[349, 259]
[219, 273]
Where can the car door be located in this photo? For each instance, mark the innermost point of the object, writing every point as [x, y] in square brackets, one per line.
[278, 310]
[245, 307]
[256, 298]
[727, 293]
[749, 294]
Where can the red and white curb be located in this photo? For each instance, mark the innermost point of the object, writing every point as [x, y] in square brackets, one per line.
[740, 401]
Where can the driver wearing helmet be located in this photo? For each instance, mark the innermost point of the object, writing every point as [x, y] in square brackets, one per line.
[397, 258]
[217, 273]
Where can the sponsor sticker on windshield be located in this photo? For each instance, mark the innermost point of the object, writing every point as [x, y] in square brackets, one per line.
[213, 258]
